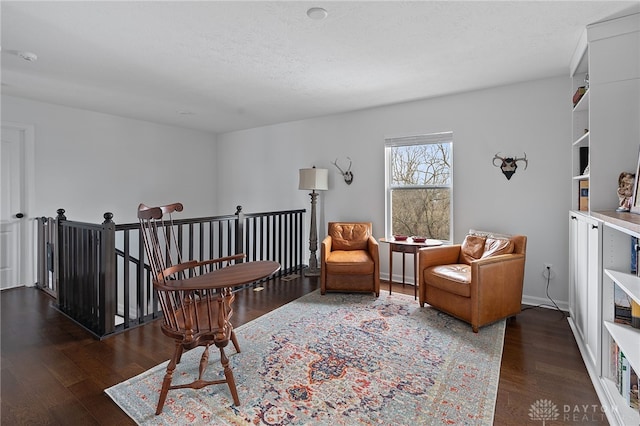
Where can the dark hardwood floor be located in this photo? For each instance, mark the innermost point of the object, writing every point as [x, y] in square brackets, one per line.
[54, 373]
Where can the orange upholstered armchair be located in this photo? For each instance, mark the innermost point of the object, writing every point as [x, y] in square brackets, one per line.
[479, 281]
[349, 259]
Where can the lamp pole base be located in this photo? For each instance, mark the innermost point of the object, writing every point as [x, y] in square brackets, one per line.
[311, 272]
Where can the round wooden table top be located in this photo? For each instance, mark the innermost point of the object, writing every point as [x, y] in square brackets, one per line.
[229, 276]
[409, 241]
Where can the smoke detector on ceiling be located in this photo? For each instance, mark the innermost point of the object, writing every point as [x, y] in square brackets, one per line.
[317, 13]
[27, 56]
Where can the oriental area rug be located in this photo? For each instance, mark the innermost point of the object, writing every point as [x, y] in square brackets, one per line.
[337, 359]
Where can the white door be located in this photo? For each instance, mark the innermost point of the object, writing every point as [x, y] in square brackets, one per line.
[12, 221]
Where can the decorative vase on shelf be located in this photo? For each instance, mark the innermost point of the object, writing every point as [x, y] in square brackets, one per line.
[626, 180]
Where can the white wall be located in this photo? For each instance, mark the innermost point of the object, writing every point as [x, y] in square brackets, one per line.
[90, 163]
[532, 117]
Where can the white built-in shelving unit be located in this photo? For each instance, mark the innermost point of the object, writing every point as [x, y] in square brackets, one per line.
[616, 264]
[606, 122]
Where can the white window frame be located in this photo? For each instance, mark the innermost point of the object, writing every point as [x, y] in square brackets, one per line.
[432, 138]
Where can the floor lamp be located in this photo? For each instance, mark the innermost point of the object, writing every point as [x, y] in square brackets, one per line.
[315, 180]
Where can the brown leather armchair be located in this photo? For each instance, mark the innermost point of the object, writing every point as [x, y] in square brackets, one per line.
[349, 259]
[479, 281]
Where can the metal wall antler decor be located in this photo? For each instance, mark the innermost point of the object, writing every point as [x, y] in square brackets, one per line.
[509, 165]
[348, 175]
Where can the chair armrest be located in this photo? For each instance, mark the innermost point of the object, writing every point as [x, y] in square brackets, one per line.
[222, 259]
[493, 271]
[168, 272]
[192, 264]
[440, 255]
[373, 247]
[325, 248]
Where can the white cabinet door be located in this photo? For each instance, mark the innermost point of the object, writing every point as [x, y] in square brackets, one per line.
[582, 271]
[584, 282]
[593, 290]
[573, 265]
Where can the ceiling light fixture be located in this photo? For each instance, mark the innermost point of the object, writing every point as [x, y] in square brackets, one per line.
[317, 13]
[27, 56]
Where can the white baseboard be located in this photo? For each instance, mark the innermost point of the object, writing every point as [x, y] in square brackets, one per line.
[397, 278]
[526, 300]
[544, 302]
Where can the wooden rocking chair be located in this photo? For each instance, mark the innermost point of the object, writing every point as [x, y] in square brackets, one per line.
[196, 308]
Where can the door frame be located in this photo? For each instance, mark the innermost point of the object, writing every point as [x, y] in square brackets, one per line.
[28, 245]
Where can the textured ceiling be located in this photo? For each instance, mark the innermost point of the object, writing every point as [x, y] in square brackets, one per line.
[222, 66]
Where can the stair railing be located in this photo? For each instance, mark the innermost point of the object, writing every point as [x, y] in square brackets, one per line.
[97, 276]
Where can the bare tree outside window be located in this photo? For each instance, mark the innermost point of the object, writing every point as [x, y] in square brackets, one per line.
[419, 188]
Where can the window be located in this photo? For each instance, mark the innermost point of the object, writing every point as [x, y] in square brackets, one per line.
[419, 185]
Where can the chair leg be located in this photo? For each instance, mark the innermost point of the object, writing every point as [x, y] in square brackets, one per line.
[166, 383]
[204, 362]
[228, 374]
[179, 357]
[234, 340]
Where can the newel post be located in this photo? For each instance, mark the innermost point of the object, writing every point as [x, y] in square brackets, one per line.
[41, 259]
[58, 259]
[107, 278]
[239, 232]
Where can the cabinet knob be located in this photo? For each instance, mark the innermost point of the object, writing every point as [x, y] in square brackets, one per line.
[573, 217]
[19, 215]
[594, 226]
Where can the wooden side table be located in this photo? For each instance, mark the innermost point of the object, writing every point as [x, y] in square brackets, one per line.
[404, 247]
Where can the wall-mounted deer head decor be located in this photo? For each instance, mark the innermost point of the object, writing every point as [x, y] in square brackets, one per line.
[508, 165]
[348, 176]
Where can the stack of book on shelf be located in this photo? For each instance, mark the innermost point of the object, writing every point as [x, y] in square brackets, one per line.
[626, 309]
[578, 95]
[622, 306]
[625, 377]
[634, 255]
[635, 306]
[583, 195]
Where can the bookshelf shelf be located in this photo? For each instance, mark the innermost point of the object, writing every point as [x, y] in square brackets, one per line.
[629, 283]
[625, 415]
[582, 140]
[583, 103]
[628, 223]
[627, 339]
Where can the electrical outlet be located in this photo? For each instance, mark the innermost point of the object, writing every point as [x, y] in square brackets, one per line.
[547, 271]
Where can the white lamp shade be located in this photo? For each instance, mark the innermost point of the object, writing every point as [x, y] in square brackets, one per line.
[317, 179]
